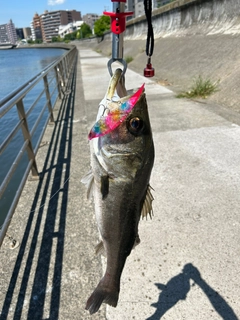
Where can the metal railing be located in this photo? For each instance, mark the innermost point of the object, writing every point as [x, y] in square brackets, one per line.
[45, 89]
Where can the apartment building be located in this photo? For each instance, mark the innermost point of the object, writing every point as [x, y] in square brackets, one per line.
[52, 20]
[8, 33]
[137, 6]
[36, 27]
[20, 34]
[27, 33]
[90, 19]
[69, 28]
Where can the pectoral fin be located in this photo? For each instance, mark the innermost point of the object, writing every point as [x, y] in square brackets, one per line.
[88, 181]
[99, 249]
[147, 205]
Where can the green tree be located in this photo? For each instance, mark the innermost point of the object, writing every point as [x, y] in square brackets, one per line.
[101, 25]
[70, 36]
[85, 31]
[54, 39]
[38, 41]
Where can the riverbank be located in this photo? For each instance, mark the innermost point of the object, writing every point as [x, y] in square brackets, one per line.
[54, 45]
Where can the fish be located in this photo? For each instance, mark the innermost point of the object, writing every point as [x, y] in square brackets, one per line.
[122, 158]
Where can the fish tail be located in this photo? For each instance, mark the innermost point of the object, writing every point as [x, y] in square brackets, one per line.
[101, 294]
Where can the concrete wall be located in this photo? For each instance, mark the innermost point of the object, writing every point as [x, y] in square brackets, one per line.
[190, 17]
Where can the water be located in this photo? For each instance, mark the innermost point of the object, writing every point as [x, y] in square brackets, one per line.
[18, 66]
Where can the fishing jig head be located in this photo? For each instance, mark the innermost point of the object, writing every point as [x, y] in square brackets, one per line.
[111, 112]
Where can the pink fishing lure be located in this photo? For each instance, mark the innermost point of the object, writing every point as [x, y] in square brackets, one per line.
[115, 117]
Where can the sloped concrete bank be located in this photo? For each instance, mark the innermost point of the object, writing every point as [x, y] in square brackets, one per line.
[192, 38]
[190, 17]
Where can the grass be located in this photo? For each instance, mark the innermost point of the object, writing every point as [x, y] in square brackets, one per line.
[202, 88]
[128, 59]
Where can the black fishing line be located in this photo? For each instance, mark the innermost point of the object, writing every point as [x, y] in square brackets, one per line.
[150, 35]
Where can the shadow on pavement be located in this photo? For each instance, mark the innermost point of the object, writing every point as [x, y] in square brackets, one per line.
[46, 224]
[179, 286]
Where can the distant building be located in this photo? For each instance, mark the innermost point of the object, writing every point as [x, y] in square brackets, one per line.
[36, 28]
[137, 6]
[3, 34]
[69, 28]
[8, 33]
[52, 20]
[19, 32]
[27, 33]
[90, 19]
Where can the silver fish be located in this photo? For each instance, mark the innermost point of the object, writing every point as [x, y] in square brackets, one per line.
[121, 164]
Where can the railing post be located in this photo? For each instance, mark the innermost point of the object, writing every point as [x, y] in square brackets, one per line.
[27, 137]
[49, 103]
[62, 74]
[64, 68]
[57, 73]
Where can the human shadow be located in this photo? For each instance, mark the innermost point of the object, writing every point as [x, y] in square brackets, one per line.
[179, 286]
[50, 202]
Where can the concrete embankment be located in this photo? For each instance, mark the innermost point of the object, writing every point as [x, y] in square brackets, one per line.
[192, 38]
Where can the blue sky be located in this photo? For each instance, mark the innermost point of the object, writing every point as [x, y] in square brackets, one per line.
[22, 11]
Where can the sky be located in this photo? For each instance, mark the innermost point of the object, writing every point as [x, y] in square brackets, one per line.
[22, 11]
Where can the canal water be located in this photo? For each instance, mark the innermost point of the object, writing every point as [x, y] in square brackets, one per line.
[18, 66]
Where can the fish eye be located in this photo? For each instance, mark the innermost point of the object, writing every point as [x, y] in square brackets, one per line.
[135, 125]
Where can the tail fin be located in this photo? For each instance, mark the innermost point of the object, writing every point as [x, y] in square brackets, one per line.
[101, 294]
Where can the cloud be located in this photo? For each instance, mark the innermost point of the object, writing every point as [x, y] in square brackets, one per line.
[55, 2]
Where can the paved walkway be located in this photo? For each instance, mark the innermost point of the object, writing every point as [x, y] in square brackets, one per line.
[187, 264]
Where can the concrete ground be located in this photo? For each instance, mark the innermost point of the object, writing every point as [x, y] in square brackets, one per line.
[186, 266]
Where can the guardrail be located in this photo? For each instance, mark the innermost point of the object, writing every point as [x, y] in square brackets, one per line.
[45, 89]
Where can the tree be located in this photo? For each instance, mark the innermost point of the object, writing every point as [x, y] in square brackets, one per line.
[54, 39]
[85, 31]
[101, 25]
[70, 36]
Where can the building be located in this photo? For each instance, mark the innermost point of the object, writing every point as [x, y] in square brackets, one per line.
[36, 28]
[69, 28]
[52, 20]
[137, 6]
[8, 33]
[19, 32]
[90, 19]
[27, 33]
[3, 34]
